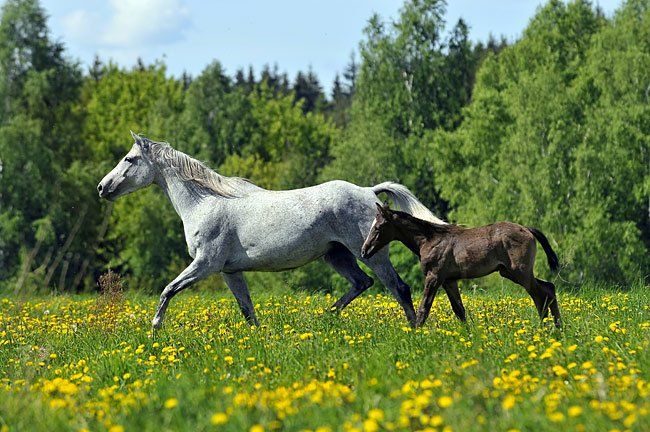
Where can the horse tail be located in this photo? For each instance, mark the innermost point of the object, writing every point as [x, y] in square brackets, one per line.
[406, 201]
[551, 256]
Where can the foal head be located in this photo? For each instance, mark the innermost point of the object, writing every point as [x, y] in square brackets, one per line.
[381, 232]
[133, 172]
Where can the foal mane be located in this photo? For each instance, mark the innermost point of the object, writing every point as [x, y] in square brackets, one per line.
[192, 170]
[428, 226]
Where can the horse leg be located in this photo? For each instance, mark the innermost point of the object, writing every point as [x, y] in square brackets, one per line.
[197, 270]
[550, 300]
[386, 273]
[431, 285]
[239, 289]
[345, 264]
[451, 288]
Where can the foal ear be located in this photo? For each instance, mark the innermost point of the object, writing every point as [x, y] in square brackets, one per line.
[135, 136]
[383, 210]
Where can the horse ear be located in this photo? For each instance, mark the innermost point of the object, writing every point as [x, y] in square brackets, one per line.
[380, 209]
[141, 141]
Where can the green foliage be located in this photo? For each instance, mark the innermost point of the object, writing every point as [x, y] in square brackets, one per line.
[411, 80]
[144, 233]
[552, 131]
[557, 137]
[38, 89]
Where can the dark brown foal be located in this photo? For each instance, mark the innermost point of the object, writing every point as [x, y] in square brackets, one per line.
[449, 252]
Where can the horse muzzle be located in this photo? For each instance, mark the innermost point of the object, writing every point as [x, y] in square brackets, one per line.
[104, 189]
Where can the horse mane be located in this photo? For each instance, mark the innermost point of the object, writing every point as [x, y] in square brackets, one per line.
[207, 180]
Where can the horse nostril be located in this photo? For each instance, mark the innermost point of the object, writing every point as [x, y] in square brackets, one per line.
[99, 188]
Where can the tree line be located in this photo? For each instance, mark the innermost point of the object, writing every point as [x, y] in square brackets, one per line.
[551, 130]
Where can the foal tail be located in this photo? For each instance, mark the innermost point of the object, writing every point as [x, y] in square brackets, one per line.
[551, 256]
[406, 201]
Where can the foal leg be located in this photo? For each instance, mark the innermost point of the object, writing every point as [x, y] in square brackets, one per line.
[527, 280]
[239, 289]
[345, 264]
[386, 273]
[197, 270]
[431, 285]
[451, 288]
[550, 300]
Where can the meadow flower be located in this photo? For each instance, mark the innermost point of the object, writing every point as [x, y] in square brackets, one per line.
[574, 411]
[445, 401]
[504, 358]
[171, 403]
[219, 418]
[508, 402]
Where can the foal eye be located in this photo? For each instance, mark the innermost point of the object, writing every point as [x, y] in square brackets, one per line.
[129, 160]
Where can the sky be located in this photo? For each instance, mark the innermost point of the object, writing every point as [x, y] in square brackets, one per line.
[294, 34]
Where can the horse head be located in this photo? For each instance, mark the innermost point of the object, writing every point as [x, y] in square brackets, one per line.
[135, 171]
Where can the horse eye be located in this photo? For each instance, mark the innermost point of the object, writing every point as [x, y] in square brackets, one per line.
[129, 160]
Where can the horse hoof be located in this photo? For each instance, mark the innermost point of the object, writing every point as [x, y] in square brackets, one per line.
[156, 323]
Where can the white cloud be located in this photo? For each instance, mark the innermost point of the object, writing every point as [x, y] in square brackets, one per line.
[130, 24]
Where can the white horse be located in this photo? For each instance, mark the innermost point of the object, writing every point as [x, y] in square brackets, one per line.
[232, 226]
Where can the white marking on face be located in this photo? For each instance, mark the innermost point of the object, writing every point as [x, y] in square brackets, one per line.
[374, 222]
[372, 227]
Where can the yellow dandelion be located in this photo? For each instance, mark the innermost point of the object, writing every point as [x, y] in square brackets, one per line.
[436, 420]
[370, 425]
[574, 411]
[629, 420]
[376, 414]
[508, 402]
[599, 339]
[256, 428]
[445, 401]
[57, 403]
[116, 428]
[171, 403]
[219, 419]
[560, 371]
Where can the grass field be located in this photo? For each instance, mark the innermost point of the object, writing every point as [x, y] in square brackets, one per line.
[76, 363]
